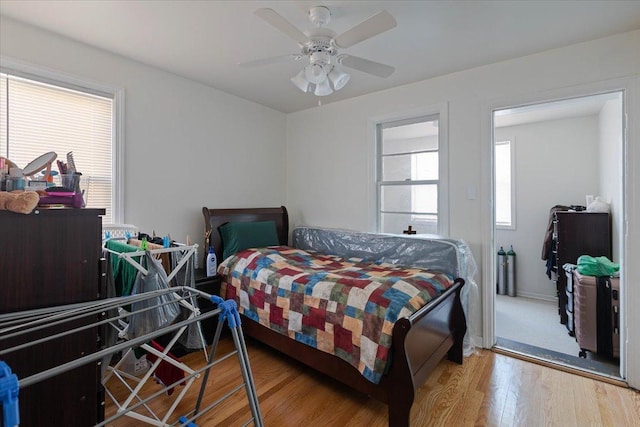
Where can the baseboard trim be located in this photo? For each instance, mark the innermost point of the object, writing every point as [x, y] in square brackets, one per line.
[542, 297]
[561, 367]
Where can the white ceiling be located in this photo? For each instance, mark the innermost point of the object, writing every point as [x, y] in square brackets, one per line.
[206, 40]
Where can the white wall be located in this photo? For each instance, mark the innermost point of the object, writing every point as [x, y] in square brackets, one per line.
[610, 154]
[556, 163]
[330, 148]
[186, 145]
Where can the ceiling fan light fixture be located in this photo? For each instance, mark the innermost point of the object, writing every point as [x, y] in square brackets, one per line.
[338, 78]
[300, 81]
[323, 88]
[315, 73]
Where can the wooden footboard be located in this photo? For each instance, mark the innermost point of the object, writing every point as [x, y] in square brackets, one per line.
[419, 344]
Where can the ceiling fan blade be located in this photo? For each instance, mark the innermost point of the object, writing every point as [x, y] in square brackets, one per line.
[272, 60]
[366, 66]
[378, 23]
[272, 17]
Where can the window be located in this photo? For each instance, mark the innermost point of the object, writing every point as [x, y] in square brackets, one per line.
[408, 175]
[505, 201]
[39, 115]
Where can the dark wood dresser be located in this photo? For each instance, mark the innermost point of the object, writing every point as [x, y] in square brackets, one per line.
[576, 234]
[48, 258]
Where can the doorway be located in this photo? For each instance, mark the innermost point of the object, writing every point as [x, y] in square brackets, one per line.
[560, 154]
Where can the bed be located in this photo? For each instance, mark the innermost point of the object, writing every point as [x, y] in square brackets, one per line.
[418, 342]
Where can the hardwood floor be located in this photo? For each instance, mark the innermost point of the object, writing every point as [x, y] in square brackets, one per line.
[489, 389]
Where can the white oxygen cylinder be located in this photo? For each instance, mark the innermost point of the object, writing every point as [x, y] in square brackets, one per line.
[212, 262]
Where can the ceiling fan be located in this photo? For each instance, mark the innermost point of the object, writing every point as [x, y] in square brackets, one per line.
[321, 47]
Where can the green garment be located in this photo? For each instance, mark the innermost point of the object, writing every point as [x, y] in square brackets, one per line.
[597, 266]
[124, 274]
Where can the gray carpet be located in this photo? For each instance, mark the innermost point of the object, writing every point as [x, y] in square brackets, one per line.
[533, 327]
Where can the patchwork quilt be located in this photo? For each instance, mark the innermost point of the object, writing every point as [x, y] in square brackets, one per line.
[341, 306]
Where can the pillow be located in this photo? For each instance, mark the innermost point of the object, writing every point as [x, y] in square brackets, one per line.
[238, 236]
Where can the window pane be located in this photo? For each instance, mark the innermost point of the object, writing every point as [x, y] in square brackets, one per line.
[396, 168]
[417, 166]
[43, 118]
[425, 166]
[410, 138]
[503, 183]
[395, 198]
[396, 223]
[425, 198]
[418, 198]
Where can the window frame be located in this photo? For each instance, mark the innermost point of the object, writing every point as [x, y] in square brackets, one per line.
[57, 78]
[414, 212]
[512, 145]
[438, 112]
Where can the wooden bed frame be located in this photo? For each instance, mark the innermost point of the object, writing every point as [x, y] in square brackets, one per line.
[419, 342]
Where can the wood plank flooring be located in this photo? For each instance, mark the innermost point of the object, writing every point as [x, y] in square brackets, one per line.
[489, 389]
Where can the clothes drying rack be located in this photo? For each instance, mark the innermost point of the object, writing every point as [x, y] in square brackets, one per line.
[114, 313]
[162, 356]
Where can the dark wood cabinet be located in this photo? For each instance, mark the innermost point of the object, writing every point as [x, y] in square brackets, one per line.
[48, 258]
[576, 234]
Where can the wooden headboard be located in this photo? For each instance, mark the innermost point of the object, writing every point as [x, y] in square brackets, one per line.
[214, 218]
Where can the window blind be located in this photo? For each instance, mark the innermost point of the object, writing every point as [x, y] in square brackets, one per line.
[37, 117]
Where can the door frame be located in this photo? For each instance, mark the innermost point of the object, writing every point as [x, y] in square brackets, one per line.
[624, 85]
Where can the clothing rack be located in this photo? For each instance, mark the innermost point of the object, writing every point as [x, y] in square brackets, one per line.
[137, 259]
[188, 251]
[14, 326]
[164, 362]
[127, 231]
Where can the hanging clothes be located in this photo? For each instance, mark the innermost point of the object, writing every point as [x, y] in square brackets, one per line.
[166, 373]
[124, 274]
[550, 242]
[547, 246]
[181, 271]
[165, 258]
[191, 339]
[166, 307]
